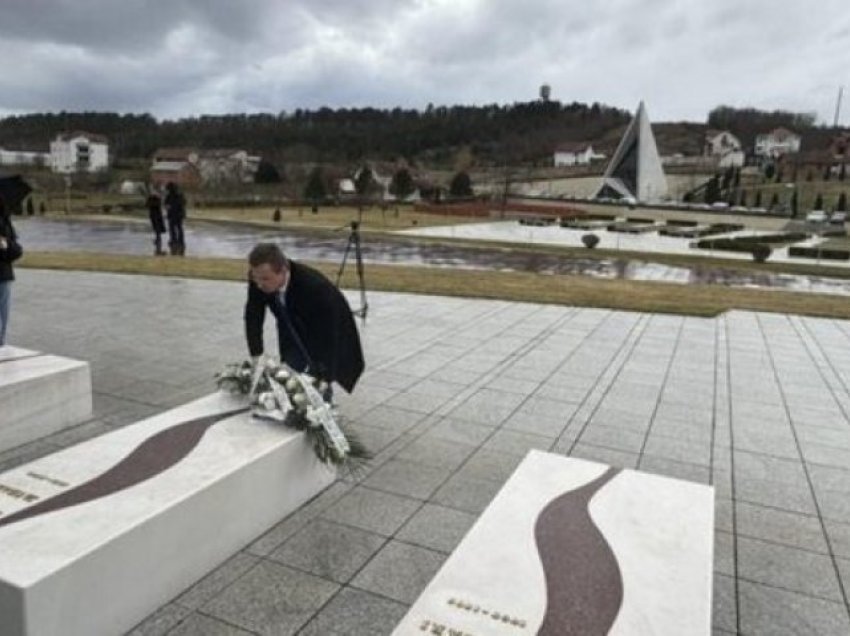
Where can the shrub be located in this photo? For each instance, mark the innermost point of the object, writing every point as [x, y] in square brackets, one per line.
[761, 252]
[746, 243]
[826, 253]
[590, 241]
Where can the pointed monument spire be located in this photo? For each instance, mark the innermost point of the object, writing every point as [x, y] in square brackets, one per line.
[635, 169]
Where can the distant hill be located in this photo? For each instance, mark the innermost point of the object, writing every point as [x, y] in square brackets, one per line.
[485, 136]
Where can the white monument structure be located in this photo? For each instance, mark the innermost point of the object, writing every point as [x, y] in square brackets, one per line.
[40, 394]
[570, 547]
[635, 170]
[97, 536]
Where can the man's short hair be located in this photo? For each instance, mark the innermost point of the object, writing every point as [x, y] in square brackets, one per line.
[267, 253]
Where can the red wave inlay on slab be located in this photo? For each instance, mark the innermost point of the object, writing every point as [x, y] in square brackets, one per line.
[149, 459]
[584, 586]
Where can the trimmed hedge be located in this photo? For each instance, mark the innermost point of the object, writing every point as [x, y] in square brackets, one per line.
[537, 221]
[746, 243]
[828, 253]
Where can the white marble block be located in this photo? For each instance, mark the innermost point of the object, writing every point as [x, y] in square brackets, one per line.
[571, 547]
[40, 394]
[97, 536]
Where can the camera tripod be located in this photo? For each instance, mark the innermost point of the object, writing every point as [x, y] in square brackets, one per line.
[354, 239]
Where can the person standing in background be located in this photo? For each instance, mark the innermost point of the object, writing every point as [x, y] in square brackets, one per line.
[10, 251]
[175, 211]
[154, 205]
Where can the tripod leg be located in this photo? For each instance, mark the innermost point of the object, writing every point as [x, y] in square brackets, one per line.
[342, 264]
[358, 256]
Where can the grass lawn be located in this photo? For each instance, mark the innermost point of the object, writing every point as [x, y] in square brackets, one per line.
[697, 300]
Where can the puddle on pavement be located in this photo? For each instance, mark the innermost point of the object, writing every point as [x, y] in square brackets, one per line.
[235, 242]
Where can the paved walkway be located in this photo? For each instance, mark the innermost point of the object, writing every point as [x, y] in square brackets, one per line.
[456, 392]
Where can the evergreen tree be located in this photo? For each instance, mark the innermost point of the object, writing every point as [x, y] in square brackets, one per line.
[842, 172]
[365, 181]
[266, 173]
[712, 190]
[769, 171]
[794, 203]
[774, 201]
[819, 202]
[316, 191]
[461, 185]
[841, 206]
[402, 185]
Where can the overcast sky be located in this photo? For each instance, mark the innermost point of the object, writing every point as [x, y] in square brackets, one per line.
[175, 58]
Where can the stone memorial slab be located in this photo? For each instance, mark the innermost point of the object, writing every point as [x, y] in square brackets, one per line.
[97, 536]
[572, 547]
[40, 394]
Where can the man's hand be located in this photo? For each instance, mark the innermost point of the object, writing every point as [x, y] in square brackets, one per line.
[259, 365]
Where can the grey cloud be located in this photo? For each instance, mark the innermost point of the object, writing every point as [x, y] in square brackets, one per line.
[129, 24]
[184, 57]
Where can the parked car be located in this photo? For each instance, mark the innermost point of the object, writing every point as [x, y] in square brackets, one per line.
[720, 205]
[817, 216]
[838, 218]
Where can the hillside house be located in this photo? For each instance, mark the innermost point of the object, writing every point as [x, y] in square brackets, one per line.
[221, 166]
[575, 154]
[23, 158]
[79, 152]
[776, 143]
[724, 147]
[194, 167]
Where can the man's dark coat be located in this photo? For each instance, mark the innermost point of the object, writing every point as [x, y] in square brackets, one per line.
[322, 320]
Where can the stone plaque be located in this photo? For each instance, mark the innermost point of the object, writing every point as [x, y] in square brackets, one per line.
[571, 547]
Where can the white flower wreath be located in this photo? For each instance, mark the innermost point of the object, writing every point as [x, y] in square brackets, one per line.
[278, 393]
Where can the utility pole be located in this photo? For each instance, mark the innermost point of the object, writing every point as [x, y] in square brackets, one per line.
[838, 107]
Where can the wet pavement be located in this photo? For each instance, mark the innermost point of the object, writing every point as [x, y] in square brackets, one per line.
[455, 393]
[231, 241]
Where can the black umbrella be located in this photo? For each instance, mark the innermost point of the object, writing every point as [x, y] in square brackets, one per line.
[13, 190]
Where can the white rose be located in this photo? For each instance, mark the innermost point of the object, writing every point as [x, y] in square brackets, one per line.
[268, 400]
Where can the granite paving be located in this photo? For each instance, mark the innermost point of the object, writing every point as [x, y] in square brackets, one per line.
[455, 393]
